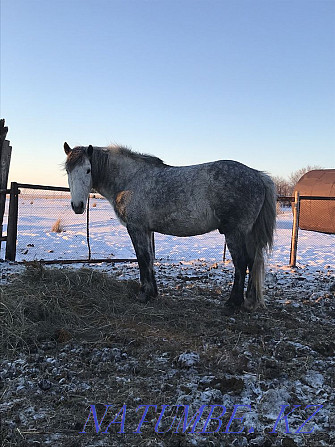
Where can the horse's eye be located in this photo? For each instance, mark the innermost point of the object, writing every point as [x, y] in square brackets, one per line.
[88, 171]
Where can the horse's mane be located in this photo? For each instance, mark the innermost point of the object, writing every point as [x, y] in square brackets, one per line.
[100, 154]
[125, 151]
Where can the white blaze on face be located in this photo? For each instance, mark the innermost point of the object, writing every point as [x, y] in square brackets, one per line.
[80, 183]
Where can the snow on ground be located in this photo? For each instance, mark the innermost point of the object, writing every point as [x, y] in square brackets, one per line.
[109, 239]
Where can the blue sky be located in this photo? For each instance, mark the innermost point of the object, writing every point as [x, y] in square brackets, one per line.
[189, 81]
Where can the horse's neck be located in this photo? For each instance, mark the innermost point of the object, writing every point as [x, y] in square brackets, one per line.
[116, 175]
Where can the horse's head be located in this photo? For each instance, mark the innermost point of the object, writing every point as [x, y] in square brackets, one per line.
[78, 168]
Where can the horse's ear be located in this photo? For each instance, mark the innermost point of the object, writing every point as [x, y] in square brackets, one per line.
[67, 148]
[90, 151]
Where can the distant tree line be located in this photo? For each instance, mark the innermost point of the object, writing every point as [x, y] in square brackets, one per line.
[285, 187]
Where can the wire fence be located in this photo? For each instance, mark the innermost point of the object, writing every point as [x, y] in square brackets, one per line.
[49, 230]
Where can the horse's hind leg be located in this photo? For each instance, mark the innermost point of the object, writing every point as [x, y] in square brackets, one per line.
[236, 245]
[254, 295]
[142, 242]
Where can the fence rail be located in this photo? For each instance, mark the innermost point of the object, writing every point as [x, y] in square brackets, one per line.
[292, 198]
[43, 187]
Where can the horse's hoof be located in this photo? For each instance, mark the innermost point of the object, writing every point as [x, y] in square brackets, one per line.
[248, 307]
[142, 298]
[230, 309]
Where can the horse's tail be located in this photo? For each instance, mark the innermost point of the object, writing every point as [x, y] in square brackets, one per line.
[260, 239]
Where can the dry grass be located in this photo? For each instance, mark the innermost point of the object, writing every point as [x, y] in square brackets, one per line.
[57, 227]
[86, 305]
[58, 305]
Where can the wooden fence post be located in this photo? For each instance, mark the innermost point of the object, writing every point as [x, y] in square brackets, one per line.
[295, 229]
[12, 222]
[5, 155]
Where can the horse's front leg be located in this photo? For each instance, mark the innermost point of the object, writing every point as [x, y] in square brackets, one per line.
[142, 242]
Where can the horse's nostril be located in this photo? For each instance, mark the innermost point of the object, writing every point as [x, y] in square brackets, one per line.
[78, 208]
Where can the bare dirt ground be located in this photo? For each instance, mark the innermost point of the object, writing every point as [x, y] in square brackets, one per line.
[74, 341]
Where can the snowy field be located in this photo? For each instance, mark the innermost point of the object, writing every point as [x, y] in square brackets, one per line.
[109, 239]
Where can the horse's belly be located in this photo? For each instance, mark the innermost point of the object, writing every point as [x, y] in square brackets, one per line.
[187, 225]
[184, 232]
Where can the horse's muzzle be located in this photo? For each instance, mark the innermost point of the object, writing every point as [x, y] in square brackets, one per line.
[78, 209]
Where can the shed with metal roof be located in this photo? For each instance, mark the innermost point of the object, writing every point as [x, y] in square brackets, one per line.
[317, 215]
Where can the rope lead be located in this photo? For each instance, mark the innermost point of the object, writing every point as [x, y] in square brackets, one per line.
[88, 227]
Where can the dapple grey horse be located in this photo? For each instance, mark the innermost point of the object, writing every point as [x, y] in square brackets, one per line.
[149, 196]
